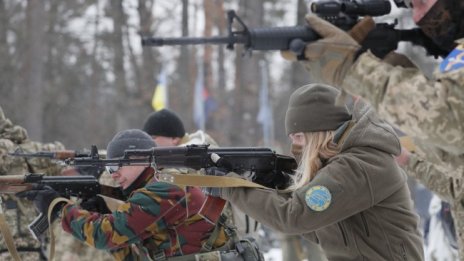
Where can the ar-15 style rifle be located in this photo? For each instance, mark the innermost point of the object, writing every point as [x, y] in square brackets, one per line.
[260, 165]
[62, 155]
[344, 14]
[84, 187]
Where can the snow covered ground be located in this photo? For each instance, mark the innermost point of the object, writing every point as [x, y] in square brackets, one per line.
[274, 254]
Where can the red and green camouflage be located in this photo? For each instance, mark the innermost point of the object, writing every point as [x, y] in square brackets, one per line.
[157, 217]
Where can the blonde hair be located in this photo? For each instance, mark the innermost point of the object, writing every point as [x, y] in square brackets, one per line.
[319, 147]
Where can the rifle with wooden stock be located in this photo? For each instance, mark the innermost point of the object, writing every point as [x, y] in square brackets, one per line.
[260, 165]
[63, 155]
[84, 187]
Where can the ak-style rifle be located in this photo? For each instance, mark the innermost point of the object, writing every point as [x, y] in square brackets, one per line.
[63, 155]
[55, 155]
[84, 187]
[260, 165]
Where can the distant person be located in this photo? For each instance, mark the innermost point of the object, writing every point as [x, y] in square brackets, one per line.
[167, 129]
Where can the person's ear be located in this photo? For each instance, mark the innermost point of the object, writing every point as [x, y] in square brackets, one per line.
[177, 141]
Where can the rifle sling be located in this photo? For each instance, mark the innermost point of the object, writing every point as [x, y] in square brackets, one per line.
[56, 201]
[207, 181]
[9, 241]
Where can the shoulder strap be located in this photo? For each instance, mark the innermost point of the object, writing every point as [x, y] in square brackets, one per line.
[9, 241]
[230, 232]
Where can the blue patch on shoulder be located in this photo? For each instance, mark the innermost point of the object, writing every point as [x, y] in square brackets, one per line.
[318, 198]
[454, 60]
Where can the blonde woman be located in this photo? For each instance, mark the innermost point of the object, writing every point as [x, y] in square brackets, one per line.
[349, 195]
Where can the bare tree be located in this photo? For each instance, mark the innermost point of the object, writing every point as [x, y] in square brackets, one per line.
[247, 81]
[297, 76]
[119, 21]
[6, 81]
[32, 68]
[219, 124]
[150, 66]
[181, 91]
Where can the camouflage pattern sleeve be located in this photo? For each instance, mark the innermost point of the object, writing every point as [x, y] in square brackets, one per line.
[446, 183]
[9, 131]
[20, 212]
[431, 110]
[147, 211]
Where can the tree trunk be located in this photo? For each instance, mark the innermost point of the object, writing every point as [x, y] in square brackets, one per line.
[32, 94]
[150, 66]
[247, 82]
[6, 70]
[220, 124]
[95, 77]
[208, 7]
[181, 91]
[298, 77]
[119, 21]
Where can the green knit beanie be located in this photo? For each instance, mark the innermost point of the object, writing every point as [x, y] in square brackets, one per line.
[312, 108]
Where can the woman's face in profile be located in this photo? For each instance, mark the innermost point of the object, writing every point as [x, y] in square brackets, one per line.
[298, 139]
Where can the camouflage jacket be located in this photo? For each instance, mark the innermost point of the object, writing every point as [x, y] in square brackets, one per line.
[19, 213]
[245, 225]
[158, 217]
[431, 111]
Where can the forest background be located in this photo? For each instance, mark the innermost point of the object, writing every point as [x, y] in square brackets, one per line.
[75, 71]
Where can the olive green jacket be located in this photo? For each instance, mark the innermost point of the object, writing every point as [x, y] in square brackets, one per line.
[369, 215]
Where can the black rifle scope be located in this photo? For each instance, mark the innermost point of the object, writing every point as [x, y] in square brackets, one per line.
[352, 7]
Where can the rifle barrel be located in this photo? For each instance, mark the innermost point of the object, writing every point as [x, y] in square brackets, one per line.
[59, 154]
[157, 41]
[12, 179]
[260, 39]
[41, 154]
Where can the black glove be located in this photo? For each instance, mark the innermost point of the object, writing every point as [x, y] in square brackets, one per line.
[95, 204]
[215, 171]
[42, 196]
[95, 171]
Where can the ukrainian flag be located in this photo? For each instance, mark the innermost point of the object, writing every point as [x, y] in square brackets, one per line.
[160, 95]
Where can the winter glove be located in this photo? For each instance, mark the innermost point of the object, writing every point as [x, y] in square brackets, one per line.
[95, 204]
[95, 171]
[42, 196]
[329, 59]
[214, 171]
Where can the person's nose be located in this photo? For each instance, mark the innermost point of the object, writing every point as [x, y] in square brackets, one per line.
[115, 175]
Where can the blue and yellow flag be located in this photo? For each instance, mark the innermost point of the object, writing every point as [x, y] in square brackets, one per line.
[160, 95]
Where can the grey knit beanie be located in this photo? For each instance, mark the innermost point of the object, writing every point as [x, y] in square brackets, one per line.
[312, 108]
[128, 139]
